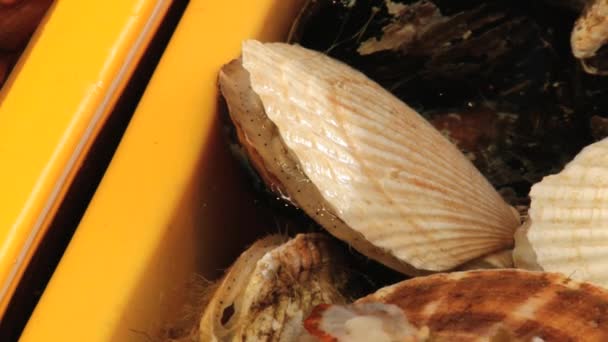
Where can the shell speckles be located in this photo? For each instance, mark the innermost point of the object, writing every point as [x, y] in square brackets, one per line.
[271, 287]
[590, 31]
[397, 190]
[478, 305]
[568, 228]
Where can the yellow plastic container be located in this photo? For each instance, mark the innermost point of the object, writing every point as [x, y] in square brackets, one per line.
[172, 203]
[52, 107]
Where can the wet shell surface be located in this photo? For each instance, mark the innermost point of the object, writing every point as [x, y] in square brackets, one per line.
[567, 230]
[272, 287]
[492, 305]
[363, 164]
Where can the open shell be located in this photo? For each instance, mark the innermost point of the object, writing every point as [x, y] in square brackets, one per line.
[567, 230]
[360, 162]
[272, 286]
[477, 306]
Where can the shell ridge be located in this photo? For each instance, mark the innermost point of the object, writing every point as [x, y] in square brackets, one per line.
[324, 167]
[293, 64]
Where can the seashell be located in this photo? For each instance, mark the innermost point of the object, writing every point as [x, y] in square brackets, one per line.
[524, 256]
[589, 35]
[491, 305]
[500, 259]
[492, 76]
[272, 286]
[590, 31]
[568, 223]
[360, 162]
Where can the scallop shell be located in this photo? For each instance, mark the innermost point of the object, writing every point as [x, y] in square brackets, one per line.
[568, 219]
[590, 31]
[272, 286]
[500, 259]
[479, 306]
[364, 165]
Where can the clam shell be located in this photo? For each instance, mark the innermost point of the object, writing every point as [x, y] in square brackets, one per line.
[363, 164]
[568, 219]
[590, 31]
[271, 287]
[480, 306]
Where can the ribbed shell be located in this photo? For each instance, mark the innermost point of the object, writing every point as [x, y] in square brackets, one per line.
[500, 259]
[474, 305]
[569, 217]
[590, 31]
[271, 288]
[381, 167]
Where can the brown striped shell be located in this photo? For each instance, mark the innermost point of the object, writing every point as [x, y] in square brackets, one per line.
[271, 287]
[363, 164]
[482, 305]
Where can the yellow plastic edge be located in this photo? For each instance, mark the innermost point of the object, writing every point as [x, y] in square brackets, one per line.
[53, 105]
[169, 204]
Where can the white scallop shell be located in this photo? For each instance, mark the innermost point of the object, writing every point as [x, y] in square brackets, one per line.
[568, 219]
[381, 168]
